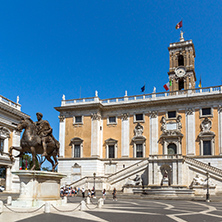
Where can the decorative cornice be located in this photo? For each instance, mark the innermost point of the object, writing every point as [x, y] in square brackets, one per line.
[153, 114]
[138, 131]
[17, 132]
[206, 125]
[4, 132]
[125, 116]
[95, 116]
[61, 118]
[189, 111]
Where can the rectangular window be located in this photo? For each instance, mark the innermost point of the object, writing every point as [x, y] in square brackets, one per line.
[207, 147]
[111, 151]
[206, 112]
[171, 114]
[77, 150]
[112, 120]
[139, 150]
[78, 119]
[139, 117]
[1, 145]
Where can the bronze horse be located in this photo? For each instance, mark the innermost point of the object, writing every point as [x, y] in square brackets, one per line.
[32, 143]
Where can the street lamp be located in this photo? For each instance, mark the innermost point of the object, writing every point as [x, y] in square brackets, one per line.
[208, 194]
[94, 177]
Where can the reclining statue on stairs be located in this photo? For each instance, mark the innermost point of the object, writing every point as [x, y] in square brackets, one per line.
[134, 182]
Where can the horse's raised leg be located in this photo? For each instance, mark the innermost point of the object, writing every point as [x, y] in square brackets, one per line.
[33, 158]
[56, 162]
[50, 160]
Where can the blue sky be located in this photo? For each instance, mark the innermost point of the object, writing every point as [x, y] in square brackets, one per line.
[51, 48]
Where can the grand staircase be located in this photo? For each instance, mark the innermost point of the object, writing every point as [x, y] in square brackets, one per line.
[127, 172]
[204, 168]
[115, 177]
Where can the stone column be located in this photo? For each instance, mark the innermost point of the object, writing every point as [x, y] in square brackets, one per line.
[6, 145]
[164, 147]
[220, 129]
[153, 133]
[101, 140]
[62, 125]
[125, 136]
[15, 186]
[190, 132]
[8, 182]
[95, 136]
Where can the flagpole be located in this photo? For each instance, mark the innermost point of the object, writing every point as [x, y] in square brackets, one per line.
[182, 24]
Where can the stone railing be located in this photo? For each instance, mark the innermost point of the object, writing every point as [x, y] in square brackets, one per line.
[146, 97]
[87, 179]
[10, 103]
[165, 156]
[122, 174]
[203, 166]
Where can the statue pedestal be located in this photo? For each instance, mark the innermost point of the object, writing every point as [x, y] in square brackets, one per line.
[165, 182]
[37, 187]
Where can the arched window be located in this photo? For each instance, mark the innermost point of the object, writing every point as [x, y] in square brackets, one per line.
[172, 149]
[180, 60]
[181, 84]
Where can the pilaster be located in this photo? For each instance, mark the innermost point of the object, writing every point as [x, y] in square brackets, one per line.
[153, 133]
[190, 132]
[125, 135]
[62, 125]
[95, 135]
[8, 182]
[220, 129]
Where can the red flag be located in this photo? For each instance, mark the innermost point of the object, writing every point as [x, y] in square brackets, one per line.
[179, 25]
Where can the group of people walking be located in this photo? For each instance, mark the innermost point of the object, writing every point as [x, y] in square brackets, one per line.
[74, 191]
[90, 193]
[69, 191]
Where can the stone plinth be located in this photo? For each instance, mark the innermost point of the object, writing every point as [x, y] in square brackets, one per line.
[37, 187]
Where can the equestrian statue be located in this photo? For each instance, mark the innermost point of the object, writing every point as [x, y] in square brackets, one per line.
[37, 139]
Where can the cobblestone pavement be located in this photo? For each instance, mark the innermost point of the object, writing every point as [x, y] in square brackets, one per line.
[124, 210]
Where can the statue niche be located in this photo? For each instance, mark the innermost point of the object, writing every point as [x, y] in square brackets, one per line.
[166, 172]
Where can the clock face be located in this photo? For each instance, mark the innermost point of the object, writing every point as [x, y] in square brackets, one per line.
[180, 71]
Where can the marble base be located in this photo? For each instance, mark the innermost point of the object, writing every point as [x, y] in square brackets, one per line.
[37, 187]
[202, 190]
[166, 191]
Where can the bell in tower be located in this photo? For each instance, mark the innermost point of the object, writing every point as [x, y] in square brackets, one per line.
[181, 71]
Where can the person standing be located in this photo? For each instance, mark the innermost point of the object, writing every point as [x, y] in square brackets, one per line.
[104, 194]
[83, 192]
[114, 194]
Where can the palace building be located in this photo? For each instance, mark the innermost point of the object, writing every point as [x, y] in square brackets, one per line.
[10, 116]
[172, 138]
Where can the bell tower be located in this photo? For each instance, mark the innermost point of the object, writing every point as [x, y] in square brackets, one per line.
[181, 71]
